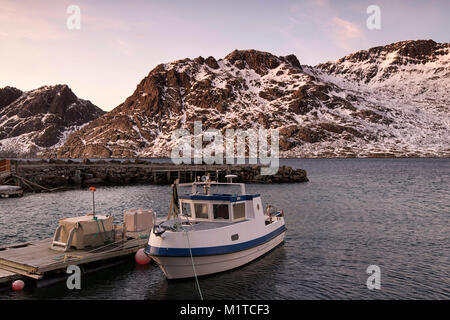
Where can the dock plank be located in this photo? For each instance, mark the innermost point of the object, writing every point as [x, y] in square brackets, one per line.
[6, 276]
[21, 272]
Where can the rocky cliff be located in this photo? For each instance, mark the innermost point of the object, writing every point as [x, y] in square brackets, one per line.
[41, 119]
[386, 101]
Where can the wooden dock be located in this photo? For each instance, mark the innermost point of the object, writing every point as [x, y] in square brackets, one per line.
[36, 261]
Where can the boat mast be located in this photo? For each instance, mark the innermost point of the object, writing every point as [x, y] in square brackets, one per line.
[174, 209]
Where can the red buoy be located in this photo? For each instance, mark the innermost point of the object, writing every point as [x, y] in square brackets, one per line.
[141, 257]
[18, 285]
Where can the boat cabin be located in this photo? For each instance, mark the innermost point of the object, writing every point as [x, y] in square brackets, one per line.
[219, 207]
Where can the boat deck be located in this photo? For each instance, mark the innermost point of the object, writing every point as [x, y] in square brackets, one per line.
[207, 225]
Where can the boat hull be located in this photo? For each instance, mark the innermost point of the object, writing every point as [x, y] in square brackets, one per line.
[181, 267]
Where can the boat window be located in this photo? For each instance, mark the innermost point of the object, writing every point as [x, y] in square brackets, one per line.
[221, 211]
[186, 209]
[239, 211]
[201, 210]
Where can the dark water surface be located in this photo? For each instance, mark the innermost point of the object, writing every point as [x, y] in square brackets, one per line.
[353, 213]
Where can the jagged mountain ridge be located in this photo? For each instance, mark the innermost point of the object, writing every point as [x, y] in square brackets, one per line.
[40, 119]
[419, 69]
[339, 109]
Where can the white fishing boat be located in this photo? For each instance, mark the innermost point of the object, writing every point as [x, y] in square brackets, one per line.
[207, 232]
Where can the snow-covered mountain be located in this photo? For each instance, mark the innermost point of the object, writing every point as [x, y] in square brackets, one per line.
[40, 119]
[385, 101]
[408, 83]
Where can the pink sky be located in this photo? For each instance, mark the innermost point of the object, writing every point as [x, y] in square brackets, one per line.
[120, 42]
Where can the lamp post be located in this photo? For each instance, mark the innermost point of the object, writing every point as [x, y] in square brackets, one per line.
[93, 189]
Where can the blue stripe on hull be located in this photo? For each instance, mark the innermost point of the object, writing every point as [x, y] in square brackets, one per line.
[208, 251]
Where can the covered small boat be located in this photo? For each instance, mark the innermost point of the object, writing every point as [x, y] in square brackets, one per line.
[207, 232]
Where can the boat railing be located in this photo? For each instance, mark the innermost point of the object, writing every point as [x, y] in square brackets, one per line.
[209, 184]
[271, 213]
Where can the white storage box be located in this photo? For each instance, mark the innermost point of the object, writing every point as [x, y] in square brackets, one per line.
[138, 220]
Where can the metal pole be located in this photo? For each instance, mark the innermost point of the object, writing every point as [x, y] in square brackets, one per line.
[93, 199]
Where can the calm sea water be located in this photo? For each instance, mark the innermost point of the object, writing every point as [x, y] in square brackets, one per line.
[353, 213]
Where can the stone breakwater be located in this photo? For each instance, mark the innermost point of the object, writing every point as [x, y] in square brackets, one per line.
[45, 175]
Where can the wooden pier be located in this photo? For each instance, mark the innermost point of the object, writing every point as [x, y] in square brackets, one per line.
[6, 173]
[34, 260]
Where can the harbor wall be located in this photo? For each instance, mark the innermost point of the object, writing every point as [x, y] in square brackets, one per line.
[48, 175]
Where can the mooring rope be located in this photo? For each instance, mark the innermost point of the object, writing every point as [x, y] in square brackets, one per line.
[193, 265]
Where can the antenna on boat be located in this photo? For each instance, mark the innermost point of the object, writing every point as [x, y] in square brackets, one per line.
[207, 181]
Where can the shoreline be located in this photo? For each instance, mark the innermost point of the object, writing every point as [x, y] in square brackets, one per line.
[168, 159]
